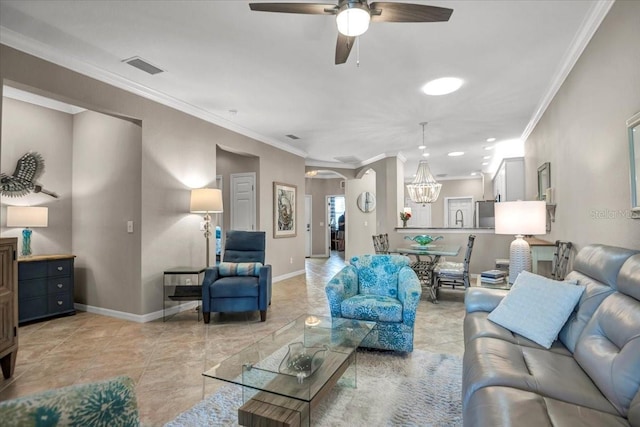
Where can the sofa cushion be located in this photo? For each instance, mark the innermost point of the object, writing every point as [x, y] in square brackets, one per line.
[494, 362]
[239, 269]
[477, 325]
[537, 307]
[505, 406]
[372, 307]
[609, 349]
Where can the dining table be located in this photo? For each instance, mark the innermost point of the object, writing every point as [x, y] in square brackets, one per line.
[426, 259]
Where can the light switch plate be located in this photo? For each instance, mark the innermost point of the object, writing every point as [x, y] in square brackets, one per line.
[129, 226]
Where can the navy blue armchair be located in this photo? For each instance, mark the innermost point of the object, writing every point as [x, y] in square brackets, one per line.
[241, 282]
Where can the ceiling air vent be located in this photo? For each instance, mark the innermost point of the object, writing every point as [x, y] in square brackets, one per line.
[292, 136]
[143, 65]
[347, 159]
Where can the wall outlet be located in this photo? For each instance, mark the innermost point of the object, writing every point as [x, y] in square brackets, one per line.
[187, 282]
[129, 226]
[202, 224]
[291, 260]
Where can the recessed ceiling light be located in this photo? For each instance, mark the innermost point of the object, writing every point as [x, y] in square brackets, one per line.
[490, 139]
[442, 86]
[486, 157]
[421, 147]
[489, 147]
[425, 154]
[455, 153]
[474, 173]
[485, 163]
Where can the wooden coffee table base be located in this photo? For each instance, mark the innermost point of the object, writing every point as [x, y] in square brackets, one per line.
[270, 410]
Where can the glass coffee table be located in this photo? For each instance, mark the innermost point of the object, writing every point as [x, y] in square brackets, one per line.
[285, 375]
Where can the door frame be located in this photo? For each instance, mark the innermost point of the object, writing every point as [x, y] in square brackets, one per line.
[308, 216]
[234, 176]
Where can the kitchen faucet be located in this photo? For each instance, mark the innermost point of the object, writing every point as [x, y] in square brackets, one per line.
[461, 219]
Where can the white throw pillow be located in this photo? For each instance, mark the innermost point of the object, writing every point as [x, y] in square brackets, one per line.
[537, 307]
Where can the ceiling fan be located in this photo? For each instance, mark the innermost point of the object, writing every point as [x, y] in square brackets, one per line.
[353, 16]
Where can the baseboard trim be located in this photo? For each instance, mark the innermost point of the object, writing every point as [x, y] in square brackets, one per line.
[287, 276]
[139, 318]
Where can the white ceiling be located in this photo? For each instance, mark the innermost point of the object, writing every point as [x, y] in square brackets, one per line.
[277, 70]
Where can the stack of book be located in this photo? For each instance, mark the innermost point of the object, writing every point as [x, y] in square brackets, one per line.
[493, 277]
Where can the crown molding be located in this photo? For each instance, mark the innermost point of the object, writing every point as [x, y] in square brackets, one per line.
[579, 43]
[43, 51]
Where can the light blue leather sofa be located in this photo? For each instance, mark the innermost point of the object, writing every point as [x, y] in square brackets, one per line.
[246, 288]
[591, 374]
[380, 288]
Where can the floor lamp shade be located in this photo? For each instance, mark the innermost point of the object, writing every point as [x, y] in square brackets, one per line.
[206, 201]
[27, 216]
[520, 218]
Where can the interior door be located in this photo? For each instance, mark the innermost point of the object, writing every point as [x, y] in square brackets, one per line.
[307, 219]
[243, 201]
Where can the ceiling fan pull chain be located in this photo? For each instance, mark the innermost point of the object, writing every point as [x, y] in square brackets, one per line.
[358, 52]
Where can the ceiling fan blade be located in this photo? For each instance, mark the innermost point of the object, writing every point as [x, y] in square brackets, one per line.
[306, 8]
[343, 48]
[405, 12]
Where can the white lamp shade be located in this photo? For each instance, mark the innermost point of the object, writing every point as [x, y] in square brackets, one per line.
[27, 216]
[521, 217]
[205, 200]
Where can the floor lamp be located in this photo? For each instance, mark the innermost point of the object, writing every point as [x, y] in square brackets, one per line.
[520, 218]
[206, 201]
[27, 216]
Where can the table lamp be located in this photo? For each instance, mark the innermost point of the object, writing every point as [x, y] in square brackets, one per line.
[206, 201]
[520, 218]
[27, 216]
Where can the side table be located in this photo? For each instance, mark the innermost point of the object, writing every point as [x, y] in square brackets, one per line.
[181, 284]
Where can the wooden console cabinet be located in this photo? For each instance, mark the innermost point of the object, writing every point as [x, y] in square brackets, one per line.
[8, 305]
[45, 286]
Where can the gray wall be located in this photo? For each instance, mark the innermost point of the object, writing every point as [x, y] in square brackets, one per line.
[178, 153]
[319, 189]
[583, 135]
[106, 194]
[27, 127]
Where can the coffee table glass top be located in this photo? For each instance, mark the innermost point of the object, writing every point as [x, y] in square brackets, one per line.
[277, 365]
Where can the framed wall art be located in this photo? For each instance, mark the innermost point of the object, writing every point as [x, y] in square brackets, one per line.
[284, 210]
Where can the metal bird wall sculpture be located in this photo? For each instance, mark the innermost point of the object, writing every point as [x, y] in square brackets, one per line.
[23, 180]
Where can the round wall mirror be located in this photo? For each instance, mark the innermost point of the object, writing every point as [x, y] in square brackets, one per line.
[366, 201]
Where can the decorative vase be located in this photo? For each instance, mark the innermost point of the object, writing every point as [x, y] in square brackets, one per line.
[404, 223]
[302, 361]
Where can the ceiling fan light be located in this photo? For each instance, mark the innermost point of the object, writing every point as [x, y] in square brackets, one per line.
[353, 21]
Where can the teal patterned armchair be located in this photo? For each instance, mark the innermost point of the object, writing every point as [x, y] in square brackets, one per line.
[379, 288]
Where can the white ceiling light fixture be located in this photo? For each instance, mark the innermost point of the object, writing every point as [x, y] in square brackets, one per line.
[488, 147]
[442, 86]
[353, 20]
[490, 139]
[486, 157]
[424, 188]
[456, 154]
[425, 154]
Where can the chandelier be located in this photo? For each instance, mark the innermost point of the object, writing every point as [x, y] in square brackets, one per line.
[424, 188]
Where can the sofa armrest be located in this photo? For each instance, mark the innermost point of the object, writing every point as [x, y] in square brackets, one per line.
[210, 276]
[264, 283]
[483, 299]
[342, 286]
[409, 291]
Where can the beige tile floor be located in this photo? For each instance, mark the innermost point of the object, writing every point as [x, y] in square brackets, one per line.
[166, 359]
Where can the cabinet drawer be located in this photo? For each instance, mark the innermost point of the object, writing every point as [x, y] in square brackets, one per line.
[32, 288]
[59, 303]
[61, 267]
[32, 270]
[32, 308]
[59, 285]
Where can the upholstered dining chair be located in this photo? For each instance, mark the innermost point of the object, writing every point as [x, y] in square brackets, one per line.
[241, 282]
[455, 273]
[379, 288]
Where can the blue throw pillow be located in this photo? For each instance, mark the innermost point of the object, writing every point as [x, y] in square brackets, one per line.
[537, 307]
[239, 269]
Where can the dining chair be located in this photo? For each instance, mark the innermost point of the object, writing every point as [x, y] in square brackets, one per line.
[455, 273]
[561, 259]
[381, 243]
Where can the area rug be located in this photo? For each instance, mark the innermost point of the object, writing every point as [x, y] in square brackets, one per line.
[420, 389]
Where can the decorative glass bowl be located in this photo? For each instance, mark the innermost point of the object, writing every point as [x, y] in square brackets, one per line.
[301, 361]
[423, 239]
